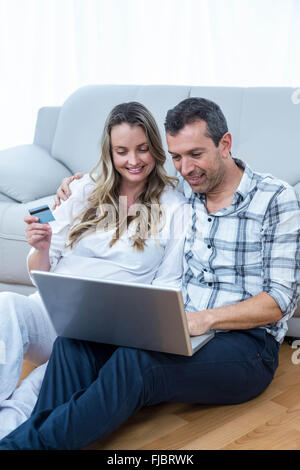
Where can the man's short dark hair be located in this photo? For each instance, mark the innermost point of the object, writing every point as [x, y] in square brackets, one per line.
[197, 109]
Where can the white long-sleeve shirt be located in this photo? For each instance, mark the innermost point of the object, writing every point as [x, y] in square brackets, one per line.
[160, 263]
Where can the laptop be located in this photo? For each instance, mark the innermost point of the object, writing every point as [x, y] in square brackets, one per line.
[120, 313]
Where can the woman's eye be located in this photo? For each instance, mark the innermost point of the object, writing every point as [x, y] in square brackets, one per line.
[121, 153]
[144, 150]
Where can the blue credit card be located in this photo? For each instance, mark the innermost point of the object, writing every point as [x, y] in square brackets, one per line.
[43, 213]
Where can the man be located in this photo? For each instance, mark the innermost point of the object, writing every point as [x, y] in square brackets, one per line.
[249, 223]
[241, 278]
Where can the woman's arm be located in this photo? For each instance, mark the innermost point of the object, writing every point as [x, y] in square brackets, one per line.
[39, 261]
[48, 240]
[39, 237]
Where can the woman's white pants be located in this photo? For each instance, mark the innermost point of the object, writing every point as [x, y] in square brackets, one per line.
[25, 333]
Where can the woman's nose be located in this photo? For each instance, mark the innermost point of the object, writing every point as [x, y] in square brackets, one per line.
[132, 158]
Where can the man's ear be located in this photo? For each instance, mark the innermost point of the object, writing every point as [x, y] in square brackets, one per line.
[225, 145]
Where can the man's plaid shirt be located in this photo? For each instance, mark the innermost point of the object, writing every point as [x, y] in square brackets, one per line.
[250, 247]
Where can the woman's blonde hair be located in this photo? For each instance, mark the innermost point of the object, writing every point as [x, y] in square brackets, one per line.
[107, 179]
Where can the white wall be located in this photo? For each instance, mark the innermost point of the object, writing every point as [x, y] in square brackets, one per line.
[48, 48]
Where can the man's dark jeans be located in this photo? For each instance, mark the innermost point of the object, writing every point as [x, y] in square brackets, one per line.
[90, 389]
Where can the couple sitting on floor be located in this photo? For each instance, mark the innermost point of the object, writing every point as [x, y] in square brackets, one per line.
[227, 260]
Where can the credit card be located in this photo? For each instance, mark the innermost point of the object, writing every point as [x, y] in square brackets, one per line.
[43, 213]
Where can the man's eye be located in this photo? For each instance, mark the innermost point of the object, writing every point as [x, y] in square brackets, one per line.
[195, 155]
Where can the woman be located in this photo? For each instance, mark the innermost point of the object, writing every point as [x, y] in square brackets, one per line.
[119, 224]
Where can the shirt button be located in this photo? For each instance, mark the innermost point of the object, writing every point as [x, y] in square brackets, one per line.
[208, 246]
[209, 219]
[210, 284]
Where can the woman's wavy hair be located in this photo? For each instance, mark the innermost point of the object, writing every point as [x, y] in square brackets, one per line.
[97, 215]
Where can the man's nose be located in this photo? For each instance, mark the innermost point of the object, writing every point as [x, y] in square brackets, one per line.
[187, 166]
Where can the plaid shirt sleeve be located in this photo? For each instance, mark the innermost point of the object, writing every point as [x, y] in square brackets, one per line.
[281, 249]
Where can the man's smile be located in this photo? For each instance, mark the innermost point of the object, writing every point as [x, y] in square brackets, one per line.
[195, 179]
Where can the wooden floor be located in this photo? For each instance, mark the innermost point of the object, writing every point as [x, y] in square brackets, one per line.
[270, 421]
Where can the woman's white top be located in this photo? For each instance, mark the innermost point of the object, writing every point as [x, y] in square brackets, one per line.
[160, 263]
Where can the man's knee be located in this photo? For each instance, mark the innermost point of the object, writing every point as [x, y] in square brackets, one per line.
[132, 361]
[62, 343]
[68, 347]
[133, 356]
[147, 370]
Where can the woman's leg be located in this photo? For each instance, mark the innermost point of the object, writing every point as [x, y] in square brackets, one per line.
[25, 329]
[232, 368]
[18, 407]
[40, 332]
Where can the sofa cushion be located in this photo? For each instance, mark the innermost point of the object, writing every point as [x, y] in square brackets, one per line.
[269, 130]
[28, 172]
[46, 126]
[5, 198]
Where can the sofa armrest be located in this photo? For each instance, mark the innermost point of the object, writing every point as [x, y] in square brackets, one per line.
[46, 126]
[28, 172]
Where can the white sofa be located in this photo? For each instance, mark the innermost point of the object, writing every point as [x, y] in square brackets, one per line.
[264, 123]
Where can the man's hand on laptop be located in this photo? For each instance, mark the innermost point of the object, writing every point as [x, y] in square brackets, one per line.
[199, 322]
[63, 191]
